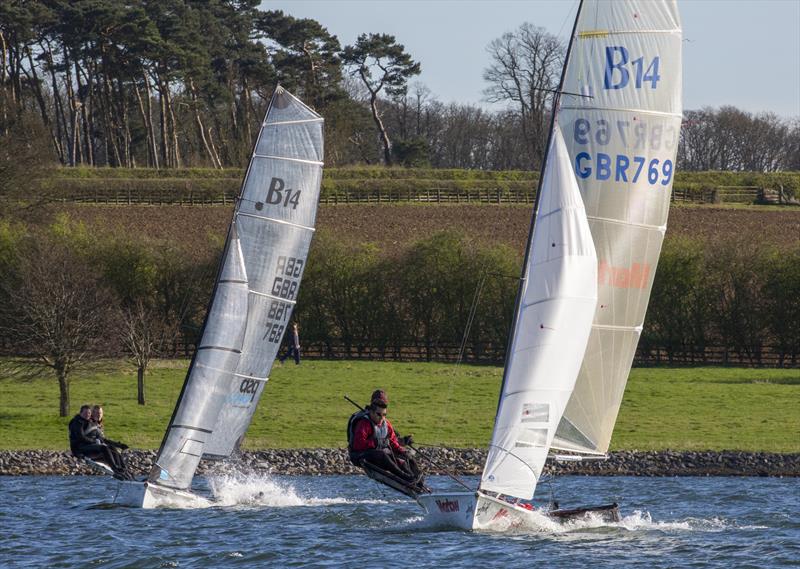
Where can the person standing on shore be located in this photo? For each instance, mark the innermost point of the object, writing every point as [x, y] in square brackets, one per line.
[293, 347]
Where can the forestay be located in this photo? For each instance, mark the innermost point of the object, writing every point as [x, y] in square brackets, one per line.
[622, 135]
[557, 301]
[264, 259]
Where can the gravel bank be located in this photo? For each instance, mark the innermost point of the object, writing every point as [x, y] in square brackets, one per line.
[461, 461]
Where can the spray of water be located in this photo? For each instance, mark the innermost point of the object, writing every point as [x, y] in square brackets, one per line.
[262, 490]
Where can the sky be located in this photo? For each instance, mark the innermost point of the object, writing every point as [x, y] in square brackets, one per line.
[744, 53]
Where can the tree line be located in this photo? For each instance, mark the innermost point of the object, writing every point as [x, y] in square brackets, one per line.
[68, 298]
[177, 83]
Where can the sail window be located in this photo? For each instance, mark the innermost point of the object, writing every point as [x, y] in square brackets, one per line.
[532, 438]
[192, 447]
[536, 413]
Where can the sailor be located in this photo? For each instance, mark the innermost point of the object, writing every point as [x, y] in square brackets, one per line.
[83, 445]
[96, 432]
[372, 439]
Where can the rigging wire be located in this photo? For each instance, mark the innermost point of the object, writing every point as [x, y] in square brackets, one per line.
[464, 339]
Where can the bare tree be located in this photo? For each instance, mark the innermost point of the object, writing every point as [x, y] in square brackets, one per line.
[60, 316]
[524, 70]
[145, 332]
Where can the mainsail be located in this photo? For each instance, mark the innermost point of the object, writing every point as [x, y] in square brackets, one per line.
[255, 293]
[556, 303]
[621, 115]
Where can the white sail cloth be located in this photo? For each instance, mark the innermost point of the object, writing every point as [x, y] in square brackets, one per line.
[557, 303]
[622, 135]
[255, 294]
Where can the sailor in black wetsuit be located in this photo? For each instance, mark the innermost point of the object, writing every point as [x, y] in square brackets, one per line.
[84, 444]
[97, 434]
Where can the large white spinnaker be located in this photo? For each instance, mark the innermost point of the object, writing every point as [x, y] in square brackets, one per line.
[556, 304]
[256, 290]
[622, 135]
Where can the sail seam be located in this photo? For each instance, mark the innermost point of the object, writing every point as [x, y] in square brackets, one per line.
[286, 300]
[190, 428]
[234, 350]
[234, 374]
[589, 298]
[625, 109]
[602, 33]
[261, 379]
[299, 121]
[661, 228]
[277, 221]
[302, 160]
[569, 208]
[610, 327]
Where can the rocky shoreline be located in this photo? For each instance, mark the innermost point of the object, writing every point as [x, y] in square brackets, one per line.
[439, 461]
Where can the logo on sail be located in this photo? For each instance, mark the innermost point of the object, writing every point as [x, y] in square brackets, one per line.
[635, 276]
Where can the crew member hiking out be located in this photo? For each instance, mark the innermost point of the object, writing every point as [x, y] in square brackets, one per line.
[96, 431]
[83, 442]
[374, 446]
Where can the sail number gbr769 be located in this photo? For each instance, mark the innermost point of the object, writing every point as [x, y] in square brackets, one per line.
[631, 140]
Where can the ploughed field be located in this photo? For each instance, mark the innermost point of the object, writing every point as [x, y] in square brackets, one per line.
[394, 227]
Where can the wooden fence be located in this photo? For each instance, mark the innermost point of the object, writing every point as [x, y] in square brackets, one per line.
[184, 194]
[766, 356]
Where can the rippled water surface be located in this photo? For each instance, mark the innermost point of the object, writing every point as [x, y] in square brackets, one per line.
[349, 521]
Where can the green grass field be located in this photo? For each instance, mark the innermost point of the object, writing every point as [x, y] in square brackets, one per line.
[303, 406]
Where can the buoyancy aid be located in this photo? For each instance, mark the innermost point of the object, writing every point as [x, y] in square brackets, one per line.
[379, 432]
[351, 426]
[381, 435]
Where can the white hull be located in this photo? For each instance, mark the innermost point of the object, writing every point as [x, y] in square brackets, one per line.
[476, 510]
[146, 495]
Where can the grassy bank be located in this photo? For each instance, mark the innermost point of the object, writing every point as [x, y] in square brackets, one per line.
[303, 407]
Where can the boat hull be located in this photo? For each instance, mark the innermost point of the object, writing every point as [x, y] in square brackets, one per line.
[146, 495]
[476, 511]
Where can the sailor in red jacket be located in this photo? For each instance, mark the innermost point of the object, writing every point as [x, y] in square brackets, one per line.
[372, 438]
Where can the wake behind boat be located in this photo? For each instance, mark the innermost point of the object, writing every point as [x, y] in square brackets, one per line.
[254, 296]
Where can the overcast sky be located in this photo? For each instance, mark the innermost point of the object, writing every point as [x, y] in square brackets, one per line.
[744, 53]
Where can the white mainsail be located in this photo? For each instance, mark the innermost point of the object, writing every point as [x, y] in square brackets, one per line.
[256, 290]
[556, 304]
[622, 135]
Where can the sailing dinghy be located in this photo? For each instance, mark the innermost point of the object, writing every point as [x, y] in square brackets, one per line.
[254, 296]
[597, 230]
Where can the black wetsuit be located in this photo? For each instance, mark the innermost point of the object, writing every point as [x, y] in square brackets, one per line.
[83, 443]
[96, 434]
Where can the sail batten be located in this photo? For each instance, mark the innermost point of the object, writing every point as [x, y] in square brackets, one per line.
[255, 292]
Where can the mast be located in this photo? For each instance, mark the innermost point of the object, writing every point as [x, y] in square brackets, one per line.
[524, 272]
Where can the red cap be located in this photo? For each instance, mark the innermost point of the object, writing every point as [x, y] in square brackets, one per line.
[380, 398]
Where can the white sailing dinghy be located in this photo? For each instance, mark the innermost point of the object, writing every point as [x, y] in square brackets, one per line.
[255, 292]
[596, 236]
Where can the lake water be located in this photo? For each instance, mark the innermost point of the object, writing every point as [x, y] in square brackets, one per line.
[350, 521]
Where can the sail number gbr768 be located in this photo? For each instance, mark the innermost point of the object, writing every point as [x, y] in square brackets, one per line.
[288, 271]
